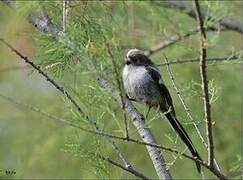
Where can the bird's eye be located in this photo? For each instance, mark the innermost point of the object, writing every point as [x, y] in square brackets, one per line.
[133, 59]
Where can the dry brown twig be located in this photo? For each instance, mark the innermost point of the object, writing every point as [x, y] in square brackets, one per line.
[207, 107]
[121, 94]
[204, 84]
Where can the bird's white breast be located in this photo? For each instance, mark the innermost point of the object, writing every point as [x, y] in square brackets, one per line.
[139, 85]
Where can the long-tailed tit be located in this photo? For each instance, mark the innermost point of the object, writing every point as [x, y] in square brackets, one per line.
[141, 79]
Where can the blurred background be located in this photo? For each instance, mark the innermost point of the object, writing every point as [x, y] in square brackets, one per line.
[37, 147]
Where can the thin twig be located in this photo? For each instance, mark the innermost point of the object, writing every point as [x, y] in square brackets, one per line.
[184, 103]
[119, 89]
[193, 60]
[64, 92]
[135, 173]
[64, 14]
[203, 73]
[172, 40]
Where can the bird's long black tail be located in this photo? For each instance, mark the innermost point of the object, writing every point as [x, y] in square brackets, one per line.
[184, 136]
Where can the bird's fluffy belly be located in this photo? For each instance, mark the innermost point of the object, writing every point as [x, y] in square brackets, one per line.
[141, 87]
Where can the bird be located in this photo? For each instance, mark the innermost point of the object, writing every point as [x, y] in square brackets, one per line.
[143, 83]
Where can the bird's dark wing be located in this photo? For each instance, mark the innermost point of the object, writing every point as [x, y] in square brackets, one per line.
[154, 73]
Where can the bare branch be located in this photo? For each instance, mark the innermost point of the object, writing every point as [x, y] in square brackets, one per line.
[193, 60]
[203, 73]
[172, 40]
[44, 24]
[207, 111]
[134, 172]
[227, 22]
[145, 133]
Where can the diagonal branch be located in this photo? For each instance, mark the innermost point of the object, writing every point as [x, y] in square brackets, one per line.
[227, 22]
[203, 73]
[132, 171]
[144, 132]
[172, 40]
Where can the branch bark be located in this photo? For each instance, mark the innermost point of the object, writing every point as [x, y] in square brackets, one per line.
[227, 22]
[143, 130]
[145, 133]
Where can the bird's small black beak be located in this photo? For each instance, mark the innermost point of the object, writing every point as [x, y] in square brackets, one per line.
[127, 61]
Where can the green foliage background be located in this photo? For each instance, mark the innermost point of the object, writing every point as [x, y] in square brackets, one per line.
[37, 147]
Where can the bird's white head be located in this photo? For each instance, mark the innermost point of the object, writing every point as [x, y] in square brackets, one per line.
[136, 57]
